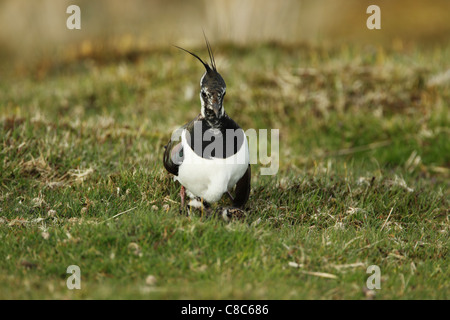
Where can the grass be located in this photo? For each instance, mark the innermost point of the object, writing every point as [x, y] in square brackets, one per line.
[363, 177]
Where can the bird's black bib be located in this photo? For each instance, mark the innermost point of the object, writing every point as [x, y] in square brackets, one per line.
[222, 141]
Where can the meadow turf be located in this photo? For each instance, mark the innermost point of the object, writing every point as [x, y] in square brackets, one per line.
[363, 178]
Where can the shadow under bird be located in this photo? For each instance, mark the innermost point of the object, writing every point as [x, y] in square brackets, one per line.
[209, 155]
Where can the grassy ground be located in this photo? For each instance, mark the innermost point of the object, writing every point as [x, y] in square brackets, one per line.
[363, 178]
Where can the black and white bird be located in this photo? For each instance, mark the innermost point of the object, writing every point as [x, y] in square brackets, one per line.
[209, 156]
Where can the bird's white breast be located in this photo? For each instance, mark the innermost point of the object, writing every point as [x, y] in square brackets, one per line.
[211, 178]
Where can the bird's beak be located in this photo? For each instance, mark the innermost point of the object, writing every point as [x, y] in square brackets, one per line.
[216, 108]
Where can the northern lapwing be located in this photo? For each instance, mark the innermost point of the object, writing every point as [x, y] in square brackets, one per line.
[209, 156]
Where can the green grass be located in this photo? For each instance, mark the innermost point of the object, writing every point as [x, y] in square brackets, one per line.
[363, 178]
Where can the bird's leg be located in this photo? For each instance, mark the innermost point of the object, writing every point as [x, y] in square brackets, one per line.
[229, 194]
[202, 207]
[182, 196]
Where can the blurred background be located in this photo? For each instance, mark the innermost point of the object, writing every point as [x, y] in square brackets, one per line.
[30, 30]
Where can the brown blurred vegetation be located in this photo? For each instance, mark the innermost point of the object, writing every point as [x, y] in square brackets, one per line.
[35, 29]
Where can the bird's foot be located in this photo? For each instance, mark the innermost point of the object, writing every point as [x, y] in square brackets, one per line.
[199, 204]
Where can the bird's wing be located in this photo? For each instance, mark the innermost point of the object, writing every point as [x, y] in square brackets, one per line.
[242, 191]
[173, 154]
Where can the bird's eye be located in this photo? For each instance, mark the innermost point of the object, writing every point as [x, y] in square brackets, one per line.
[204, 95]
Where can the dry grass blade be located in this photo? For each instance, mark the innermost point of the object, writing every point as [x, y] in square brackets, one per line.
[320, 274]
[119, 214]
[384, 224]
[350, 265]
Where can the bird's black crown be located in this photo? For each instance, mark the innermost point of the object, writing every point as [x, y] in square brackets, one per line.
[213, 88]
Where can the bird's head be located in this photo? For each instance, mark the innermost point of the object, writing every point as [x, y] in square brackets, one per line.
[212, 88]
[212, 92]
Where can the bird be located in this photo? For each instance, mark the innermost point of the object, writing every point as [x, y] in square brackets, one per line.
[209, 155]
